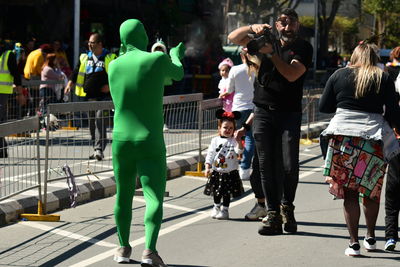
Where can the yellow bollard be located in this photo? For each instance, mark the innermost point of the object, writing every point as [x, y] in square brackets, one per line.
[69, 127]
[198, 173]
[40, 216]
[305, 141]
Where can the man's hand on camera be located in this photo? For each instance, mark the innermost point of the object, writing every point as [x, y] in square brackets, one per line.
[259, 28]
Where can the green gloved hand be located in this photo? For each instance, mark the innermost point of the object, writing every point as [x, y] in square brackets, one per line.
[178, 51]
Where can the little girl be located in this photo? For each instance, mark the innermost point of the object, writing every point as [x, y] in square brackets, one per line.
[222, 165]
[227, 98]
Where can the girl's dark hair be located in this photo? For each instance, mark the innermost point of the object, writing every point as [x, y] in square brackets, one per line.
[220, 121]
[223, 115]
[50, 61]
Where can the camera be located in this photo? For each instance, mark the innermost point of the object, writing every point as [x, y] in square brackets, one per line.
[259, 40]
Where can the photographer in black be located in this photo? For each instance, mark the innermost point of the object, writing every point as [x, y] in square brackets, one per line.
[281, 65]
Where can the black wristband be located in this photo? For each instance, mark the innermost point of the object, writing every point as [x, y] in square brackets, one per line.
[246, 126]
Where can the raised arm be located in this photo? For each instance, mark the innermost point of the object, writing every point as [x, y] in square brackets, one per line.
[239, 36]
[175, 68]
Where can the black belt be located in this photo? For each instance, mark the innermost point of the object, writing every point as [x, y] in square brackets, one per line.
[266, 107]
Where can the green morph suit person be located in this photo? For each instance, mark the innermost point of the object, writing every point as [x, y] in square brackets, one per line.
[137, 81]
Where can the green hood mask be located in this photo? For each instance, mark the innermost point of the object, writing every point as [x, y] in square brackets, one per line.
[133, 35]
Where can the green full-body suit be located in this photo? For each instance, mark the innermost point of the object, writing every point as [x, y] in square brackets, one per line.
[137, 81]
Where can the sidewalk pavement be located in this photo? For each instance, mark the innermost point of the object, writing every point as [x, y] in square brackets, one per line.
[90, 188]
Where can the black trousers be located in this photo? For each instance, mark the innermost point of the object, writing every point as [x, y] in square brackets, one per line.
[277, 136]
[392, 199]
[3, 118]
[255, 178]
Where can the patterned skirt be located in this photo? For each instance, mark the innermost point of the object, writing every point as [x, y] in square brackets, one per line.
[224, 184]
[356, 164]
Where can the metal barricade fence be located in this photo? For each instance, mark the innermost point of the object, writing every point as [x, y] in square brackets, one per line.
[73, 144]
[310, 109]
[181, 129]
[20, 157]
[190, 124]
[209, 121]
[31, 91]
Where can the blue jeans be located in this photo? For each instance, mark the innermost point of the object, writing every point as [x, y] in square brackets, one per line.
[248, 153]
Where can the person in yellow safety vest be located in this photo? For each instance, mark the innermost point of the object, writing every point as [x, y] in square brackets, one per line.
[91, 83]
[9, 78]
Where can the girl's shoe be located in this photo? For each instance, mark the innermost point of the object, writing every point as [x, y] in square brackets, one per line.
[369, 243]
[214, 212]
[353, 250]
[390, 244]
[223, 214]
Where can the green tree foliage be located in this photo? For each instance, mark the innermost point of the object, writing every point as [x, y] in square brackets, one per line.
[342, 27]
[386, 13]
[260, 11]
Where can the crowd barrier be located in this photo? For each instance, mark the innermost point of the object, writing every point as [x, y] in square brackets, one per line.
[35, 152]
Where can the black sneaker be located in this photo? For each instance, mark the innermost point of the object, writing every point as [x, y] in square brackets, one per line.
[98, 154]
[272, 224]
[290, 224]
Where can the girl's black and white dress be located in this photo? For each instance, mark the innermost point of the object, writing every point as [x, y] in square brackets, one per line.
[222, 155]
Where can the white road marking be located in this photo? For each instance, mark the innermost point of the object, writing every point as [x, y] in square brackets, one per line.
[192, 141]
[312, 171]
[171, 206]
[164, 231]
[68, 234]
[308, 154]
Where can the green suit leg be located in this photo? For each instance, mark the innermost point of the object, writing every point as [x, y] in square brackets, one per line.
[151, 170]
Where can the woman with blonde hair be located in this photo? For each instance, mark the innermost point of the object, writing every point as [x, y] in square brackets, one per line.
[361, 142]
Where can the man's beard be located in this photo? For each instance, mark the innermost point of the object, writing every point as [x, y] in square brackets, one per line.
[288, 39]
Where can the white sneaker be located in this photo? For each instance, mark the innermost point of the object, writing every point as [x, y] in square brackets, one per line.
[244, 174]
[215, 210]
[256, 213]
[353, 250]
[223, 214]
[369, 243]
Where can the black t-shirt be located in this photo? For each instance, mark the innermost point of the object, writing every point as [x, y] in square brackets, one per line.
[274, 90]
[393, 72]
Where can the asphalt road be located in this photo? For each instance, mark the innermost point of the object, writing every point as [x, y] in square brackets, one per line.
[86, 235]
